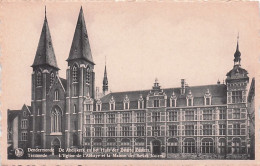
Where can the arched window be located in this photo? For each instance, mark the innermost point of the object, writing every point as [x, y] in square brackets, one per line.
[189, 145]
[222, 145]
[39, 111]
[74, 109]
[140, 144]
[88, 76]
[75, 74]
[75, 139]
[207, 145]
[39, 79]
[56, 95]
[172, 145]
[111, 144]
[56, 120]
[52, 79]
[38, 140]
[125, 143]
[236, 144]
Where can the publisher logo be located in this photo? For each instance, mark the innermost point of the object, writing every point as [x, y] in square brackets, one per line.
[19, 152]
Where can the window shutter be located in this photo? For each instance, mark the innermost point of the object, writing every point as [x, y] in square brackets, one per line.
[229, 113]
[230, 129]
[162, 115]
[116, 131]
[150, 103]
[162, 129]
[149, 118]
[135, 131]
[102, 131]
[179, 129]
[243, 129]
[243, 113]
[162, 103]
[92, 119]
[213, 129]
[183, 129]
[214, 114]
[195, 114]
[149, 132]
[195, 129]
[201, 129]
[201, 114]
[93, 131]
[134, 117]
[120, 131]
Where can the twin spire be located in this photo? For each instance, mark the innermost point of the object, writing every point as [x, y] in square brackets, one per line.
[45, 53]
[80, 48]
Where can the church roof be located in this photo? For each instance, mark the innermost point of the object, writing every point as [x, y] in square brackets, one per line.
[64, 82]
[218, 93]
[12, 114]
[80, 48]
[45, 53]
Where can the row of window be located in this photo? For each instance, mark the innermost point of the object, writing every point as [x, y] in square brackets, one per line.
[188, 145]
[74, 76]
[156, 116]
[189, 130]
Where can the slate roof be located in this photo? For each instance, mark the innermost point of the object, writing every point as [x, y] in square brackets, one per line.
[80, 47]
[12, 114]
[45, 53]
[64, 82]
[218, 92]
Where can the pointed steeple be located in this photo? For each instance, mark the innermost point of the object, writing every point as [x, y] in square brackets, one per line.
[237, 54]
[45, 53]
[80, 47]
[105, 81]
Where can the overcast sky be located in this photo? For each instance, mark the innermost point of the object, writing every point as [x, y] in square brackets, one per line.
[141, 41]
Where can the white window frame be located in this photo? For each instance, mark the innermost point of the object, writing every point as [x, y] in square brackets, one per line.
[24, 136]
[24, 124]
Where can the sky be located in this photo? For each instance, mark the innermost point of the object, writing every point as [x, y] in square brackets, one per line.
[140, 40]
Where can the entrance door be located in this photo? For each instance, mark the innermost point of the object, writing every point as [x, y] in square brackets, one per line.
[56, 146]
[156, 147]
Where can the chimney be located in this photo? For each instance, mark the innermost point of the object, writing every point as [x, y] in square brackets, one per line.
[97, 92]
[182, 86]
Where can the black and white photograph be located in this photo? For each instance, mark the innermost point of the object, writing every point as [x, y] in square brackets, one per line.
[131, 82]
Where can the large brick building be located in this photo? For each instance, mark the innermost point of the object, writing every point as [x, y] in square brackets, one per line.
[208, 119]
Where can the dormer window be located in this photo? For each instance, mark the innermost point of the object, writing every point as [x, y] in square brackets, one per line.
[173, 100]
[98, 105]
[156, 103]
[88, 76]
[112, 104]
[56, 95]
[126, 103]
[189, 99]
[75, 74]
[141, 102]
[39, 79]
[52, 79]
[88, 104]
[207, 98]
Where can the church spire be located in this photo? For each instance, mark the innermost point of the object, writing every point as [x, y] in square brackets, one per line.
[45, 53]
[105, 81]
[237, 54]
[80, 47]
